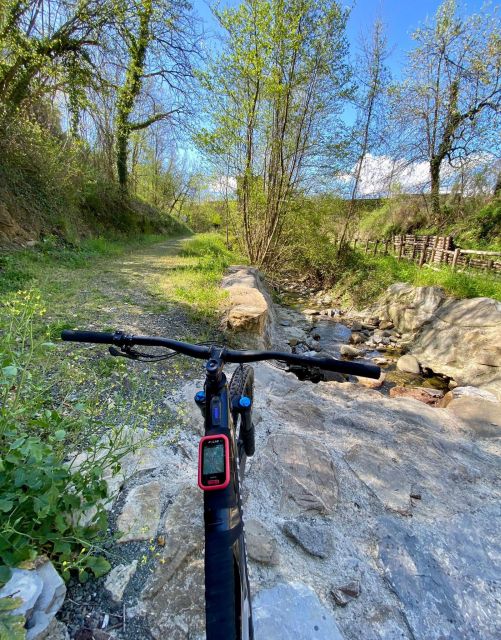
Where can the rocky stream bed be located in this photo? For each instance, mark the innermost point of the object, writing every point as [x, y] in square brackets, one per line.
[371, 508]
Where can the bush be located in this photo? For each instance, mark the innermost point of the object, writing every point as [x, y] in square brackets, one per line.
[50, 504]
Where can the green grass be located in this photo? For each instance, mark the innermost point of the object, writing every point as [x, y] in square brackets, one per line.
[363, 278]
[195, 276]
[20, 269]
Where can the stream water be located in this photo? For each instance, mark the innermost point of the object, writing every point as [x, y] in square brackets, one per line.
[333, 332]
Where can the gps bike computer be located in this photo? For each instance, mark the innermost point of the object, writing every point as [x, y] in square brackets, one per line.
[214, 462]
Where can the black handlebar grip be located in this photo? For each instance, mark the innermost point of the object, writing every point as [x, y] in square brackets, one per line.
[87, 336]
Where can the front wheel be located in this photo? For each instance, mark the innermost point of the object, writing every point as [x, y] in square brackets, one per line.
[242, 384]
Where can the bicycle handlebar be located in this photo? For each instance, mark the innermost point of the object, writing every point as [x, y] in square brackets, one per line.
[121, 339]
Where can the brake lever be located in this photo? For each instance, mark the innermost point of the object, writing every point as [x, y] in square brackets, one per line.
[125, 352]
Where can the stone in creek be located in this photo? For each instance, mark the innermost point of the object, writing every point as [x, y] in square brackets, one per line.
[292, 611]
[357, 338]
[408, 364]
[295, 332]
[386, 324]
[463, 392]
[350, 352]
[370, 383]
[423, 394]
[261, 545]
[311, 312]
[118, 579]
[380, 361]
[141, 513]
[300, 473]
[312, 537]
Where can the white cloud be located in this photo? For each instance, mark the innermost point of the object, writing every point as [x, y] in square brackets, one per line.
[381, 173]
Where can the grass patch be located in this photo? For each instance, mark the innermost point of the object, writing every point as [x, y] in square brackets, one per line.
[362, 278]
[19, 269]
[195, 276]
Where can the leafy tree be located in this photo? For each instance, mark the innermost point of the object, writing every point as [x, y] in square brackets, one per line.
[372, 78]
[273, 94]
[159, 41]
[450, 100]
[45, 40]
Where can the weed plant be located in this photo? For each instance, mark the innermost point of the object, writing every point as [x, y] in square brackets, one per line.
[55, 459]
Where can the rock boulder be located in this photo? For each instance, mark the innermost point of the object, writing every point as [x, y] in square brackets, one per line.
[463, 341]
[250, 309]
[408, 307]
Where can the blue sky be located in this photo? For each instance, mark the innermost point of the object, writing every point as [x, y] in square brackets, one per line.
[401, 18]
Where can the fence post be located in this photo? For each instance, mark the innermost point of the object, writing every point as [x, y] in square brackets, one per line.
[422, 257]
[455, 258]
[366, 246]
[434, 250]
[386, 247]
[355, 244]
[375, 247]
[400, 248]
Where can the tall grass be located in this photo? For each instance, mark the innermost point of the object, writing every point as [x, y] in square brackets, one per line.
[362, 278]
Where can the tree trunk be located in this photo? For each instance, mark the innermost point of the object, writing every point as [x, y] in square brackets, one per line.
[130, 90]
[435, 189]
[122, 136]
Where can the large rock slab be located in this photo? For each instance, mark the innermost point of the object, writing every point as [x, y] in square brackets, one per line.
[408, 307]
[446, 577]
[141, 513]
[385, 472]
[463, 341]
[301, 474]
[482, 416]
[292, 612]
[250, 308]
[173, 600]
[312, 536]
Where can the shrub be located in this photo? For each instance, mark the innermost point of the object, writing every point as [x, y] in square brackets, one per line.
[50, 503]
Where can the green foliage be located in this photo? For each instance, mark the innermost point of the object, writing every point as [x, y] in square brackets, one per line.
[49, 186]
[19, 268]
[273, 97]
[362, 278]
[207, 245]
[50, 503]
[488, 222]
[11, 626]
[198, 282]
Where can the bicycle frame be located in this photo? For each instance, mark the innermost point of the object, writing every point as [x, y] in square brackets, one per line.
[227, 593]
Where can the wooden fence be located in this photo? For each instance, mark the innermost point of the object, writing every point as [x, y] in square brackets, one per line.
[433, 250]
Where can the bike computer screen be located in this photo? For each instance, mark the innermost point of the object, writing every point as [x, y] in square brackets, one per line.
[213, 462]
